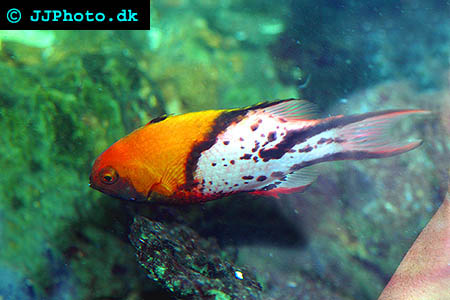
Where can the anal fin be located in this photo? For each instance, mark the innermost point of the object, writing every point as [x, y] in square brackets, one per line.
[294, 182]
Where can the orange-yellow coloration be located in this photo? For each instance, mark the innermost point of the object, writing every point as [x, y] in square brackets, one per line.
[153, 157]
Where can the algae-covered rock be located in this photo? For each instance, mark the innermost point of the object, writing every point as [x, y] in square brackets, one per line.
[188, 265]
[57, 113]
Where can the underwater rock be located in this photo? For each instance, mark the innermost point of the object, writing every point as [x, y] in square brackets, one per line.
[57, 112]
[187, 265]
[424, 272]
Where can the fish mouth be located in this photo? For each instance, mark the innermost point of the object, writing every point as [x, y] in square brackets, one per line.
[122, 190]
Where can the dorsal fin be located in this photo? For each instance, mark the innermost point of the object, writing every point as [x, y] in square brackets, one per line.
[291, 109]
[295, 182]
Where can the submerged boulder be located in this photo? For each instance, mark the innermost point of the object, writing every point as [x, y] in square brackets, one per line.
[188, 265]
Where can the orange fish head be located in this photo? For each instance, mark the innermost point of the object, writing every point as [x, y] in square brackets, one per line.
[115, 173]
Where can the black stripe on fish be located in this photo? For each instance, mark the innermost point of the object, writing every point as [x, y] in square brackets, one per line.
[349, 155]
[221, 123]
[294, 137]
[336, 122]
[289, 141]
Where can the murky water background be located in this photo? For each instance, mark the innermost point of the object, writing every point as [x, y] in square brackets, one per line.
[65, 96]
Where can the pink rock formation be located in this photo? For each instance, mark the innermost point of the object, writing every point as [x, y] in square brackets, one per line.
[424, 273]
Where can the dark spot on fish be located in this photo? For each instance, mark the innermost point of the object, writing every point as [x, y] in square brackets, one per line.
[223, 159]
[232, 161]
[324, 140]
[255, 158]
[210, 182]
[225, 165]
[308, 148]
[226, 182]
[261, 178]
[272, 153]
[281, 148]
[269, 187]
[245, 182]
[203, 181]
[158, 119]
[213, 164]
[272, 136]
[254, 149]
[236, 184]
[254, 127]
[249, 177]
[321, 141]
[246, 156]
[242, 147]
[226, 142]
[277, 174]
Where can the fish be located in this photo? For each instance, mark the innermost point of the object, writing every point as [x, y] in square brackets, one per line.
[268, 149]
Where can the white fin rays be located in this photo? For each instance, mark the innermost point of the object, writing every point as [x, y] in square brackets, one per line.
[301, 178]
[294, 110]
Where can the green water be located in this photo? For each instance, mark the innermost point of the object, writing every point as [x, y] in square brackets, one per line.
[65, 96]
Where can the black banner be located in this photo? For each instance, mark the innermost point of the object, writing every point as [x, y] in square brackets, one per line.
[75, 16]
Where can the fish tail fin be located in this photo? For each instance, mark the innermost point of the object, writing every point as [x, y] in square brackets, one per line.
[370, 136]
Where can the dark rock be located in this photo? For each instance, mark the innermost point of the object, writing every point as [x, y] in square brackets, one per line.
[188, 265]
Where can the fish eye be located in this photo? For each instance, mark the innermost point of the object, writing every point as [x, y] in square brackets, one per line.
[108, 175]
